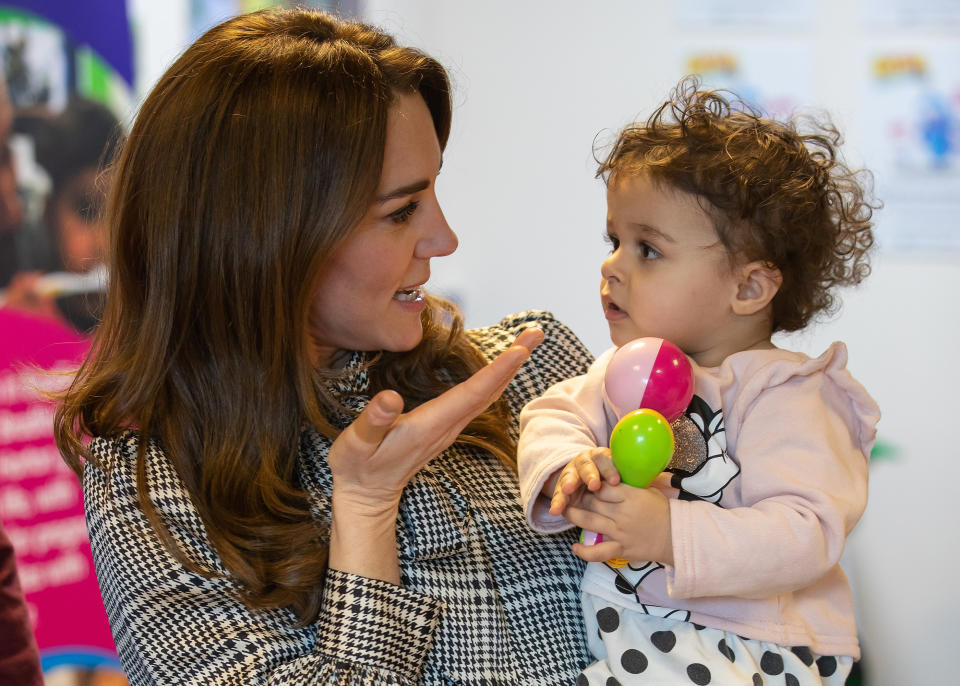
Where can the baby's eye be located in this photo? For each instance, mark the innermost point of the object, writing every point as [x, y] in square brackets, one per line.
[648, 252]
[404, 213]
[612, 241]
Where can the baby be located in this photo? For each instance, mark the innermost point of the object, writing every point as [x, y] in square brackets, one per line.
[725, 227]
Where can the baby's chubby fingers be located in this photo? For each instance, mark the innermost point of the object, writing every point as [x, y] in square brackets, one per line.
[589, 520]
[568, 482]
[608, 471]
[559, 502]
[587, 469]
[601, 552]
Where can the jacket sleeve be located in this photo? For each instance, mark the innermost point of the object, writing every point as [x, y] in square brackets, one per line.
[19, 658]
[176, 627]
[803, 447]
[568, 418]
[561, 355]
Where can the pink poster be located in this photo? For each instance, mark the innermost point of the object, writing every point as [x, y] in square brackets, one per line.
[41, 503]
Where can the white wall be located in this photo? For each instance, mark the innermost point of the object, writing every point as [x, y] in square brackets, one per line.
[535, 82]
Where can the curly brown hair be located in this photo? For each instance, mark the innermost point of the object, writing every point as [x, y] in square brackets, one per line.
[778, 192]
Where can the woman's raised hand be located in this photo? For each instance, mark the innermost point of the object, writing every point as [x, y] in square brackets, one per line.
[377, 455]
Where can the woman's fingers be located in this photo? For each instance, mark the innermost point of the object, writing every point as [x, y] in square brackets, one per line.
[377, 417]
[362, 439]
[383, 448]
[530, 338]
[505, 366]
[455, 408]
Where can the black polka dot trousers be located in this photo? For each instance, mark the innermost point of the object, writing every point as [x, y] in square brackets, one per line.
[633, 647]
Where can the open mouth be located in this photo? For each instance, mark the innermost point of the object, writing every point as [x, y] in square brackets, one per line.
[410, 295]
[614, 307]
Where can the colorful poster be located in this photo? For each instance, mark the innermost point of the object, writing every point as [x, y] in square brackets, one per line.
[777, 78]
[41, 504]
[911, 129]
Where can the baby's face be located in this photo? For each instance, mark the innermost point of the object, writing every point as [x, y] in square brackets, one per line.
[668, 274]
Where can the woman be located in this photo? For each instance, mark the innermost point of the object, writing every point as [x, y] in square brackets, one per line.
[272, 221]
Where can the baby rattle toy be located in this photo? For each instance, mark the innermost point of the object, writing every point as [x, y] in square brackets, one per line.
[648, 384]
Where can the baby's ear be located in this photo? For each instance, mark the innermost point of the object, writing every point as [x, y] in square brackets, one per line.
[758, 283]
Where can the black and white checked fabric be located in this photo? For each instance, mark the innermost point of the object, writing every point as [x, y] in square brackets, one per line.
[484, 600]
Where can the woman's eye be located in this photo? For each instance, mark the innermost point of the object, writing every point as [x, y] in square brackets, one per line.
[612, 241]
[404, 213]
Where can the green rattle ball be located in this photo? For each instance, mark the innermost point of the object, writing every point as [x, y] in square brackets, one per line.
[641, 446]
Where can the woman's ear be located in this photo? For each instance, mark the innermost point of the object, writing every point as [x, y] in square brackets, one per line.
[759, 282]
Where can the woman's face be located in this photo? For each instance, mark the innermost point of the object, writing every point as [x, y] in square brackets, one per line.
[370, 295]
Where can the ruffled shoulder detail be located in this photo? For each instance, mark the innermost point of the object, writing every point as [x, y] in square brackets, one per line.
[765, 369]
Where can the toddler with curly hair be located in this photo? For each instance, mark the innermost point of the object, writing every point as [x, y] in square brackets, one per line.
[725, 227]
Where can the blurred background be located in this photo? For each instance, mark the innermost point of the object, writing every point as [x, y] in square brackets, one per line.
[539, 86]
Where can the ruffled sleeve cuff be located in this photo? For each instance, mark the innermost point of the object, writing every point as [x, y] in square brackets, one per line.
[373, 622]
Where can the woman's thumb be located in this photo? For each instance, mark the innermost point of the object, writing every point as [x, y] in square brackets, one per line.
[377, 417]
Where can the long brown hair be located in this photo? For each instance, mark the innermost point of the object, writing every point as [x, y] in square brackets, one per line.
[253, 157]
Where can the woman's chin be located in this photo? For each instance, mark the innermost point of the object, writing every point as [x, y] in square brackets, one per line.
[405, 342]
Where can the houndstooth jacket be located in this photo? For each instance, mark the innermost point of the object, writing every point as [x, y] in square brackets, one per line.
[483, 600]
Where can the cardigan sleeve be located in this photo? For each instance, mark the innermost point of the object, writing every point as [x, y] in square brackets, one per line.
[561, 355]
[19, 659]
[173, 626]
[567, 419]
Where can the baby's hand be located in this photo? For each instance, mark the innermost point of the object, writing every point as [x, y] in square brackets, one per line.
[635, 523]
[588, 469]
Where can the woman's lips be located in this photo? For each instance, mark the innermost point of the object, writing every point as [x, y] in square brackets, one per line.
[410, 295]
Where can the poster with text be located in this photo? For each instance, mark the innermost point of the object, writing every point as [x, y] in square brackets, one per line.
[41, 505]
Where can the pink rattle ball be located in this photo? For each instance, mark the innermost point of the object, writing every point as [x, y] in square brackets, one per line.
[649, 373]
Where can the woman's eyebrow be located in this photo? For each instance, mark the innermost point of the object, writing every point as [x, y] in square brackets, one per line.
[409, 189]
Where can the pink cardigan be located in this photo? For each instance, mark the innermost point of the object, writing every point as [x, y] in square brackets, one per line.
[780, 442]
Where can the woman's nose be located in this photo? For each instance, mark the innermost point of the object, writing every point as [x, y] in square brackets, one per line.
[439, 240]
